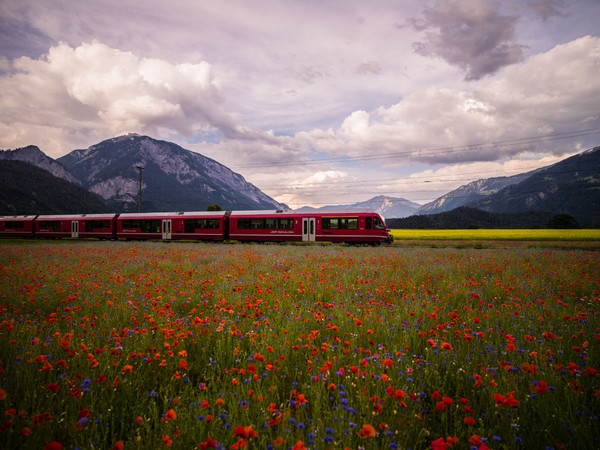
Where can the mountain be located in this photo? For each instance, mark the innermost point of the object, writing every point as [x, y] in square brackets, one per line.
[173, 178]
[26, 189]
[33, 155]
[571, 186]
[382, 204]
[469, 193]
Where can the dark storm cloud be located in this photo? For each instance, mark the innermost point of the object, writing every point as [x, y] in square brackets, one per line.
[471, 34]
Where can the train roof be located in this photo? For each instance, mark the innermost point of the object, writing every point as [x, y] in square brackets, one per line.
[77, 216]
[31, 217]
[171, 214]
[306, 212]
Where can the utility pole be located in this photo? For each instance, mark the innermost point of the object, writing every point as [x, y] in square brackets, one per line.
[140, 168]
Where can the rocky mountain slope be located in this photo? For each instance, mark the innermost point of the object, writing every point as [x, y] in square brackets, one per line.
[471, 192]
[33, 155]
[173, 178]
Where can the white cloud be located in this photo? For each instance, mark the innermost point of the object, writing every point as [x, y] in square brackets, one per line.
[97, 90]
[553, 91]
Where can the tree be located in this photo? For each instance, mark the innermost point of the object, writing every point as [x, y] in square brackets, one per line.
[214, 207]
[563, 221]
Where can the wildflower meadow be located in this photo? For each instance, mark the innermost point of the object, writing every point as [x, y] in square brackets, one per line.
[116, 345]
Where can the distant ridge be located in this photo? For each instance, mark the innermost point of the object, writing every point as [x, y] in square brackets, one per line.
[570, 186]
[382, 204]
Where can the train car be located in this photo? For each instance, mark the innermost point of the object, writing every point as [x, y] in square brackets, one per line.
[99, 226]
[352, 226]
[205, 225]
[260, 226]
[17, 226]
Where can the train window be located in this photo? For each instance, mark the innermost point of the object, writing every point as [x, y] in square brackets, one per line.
[190, 225]
[91, 225]
[131, 224]
[150, 226]
[368, 223]
[377, 224]
[340, 223]
[251, 224]
[14, 224]
[286, 224]
[329, 223]
[49, 225]
[265, 224]
[145, 226]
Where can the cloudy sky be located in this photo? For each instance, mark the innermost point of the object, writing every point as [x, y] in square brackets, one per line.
[316, 101]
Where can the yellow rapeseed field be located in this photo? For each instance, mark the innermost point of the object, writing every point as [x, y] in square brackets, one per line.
[508, 235]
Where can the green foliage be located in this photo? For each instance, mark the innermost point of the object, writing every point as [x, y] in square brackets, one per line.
[214, 207]
[563, 221]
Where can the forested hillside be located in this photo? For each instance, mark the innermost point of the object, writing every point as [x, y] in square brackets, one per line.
[26, 189]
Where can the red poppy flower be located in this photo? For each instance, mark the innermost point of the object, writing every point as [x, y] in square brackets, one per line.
[241, 443]
[245, 432]
[53, 446]
[475, 440]
[166, 441]
[439, 444]
[209, 443]
[367, 431]
[171, 415]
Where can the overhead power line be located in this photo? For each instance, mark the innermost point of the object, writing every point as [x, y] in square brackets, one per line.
[433, 151]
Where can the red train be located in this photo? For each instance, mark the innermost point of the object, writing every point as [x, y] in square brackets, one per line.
[352, 225]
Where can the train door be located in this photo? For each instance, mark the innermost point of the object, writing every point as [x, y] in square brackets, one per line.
[308, 228]
[166, 229]
[75, 229]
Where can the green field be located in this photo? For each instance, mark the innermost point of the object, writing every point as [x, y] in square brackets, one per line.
[148, 345]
